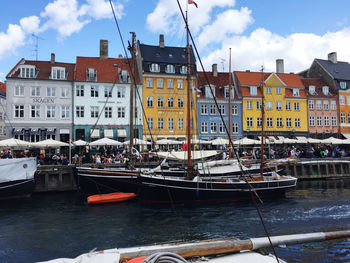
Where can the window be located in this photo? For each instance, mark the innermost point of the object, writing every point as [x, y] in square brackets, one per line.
[94, 91]
[80, 91]
[279, 122]
[149, 102]
[333, 105]
[325, 105]
[268, 105]
[64, 92]
[121, 92]
[159, 83]
[171, 123]
[289, 122]
[58, 73]
[258, 105]
[209, 92]
[108, 92]
[348, 117]
[50, 112]
[154, 67]
[35, 111]
[35, 91]
[249, 105]
[234, 110]
[268, 90]
[204, 127]
[318, 105]
[296, 106]
[312, 121]
[170, 83]
[170, 69]
[326, 120]
[296, 93]
[79, 111]
[269, 122]
[319, 120]
[94, 110]
[221, 127]
[341, 99]
[170, 102]
[258, 122]
[50, 91]
[150, 123]
[160, 102]
[19, 91]
[278, 91]
[348, 100]
[227, 93]
[278, 105]
[213, 127]
[212, 109]
[342, 85]
[183, 70]
[180, 102]
[204, 109]
[181, 124]
[149, 83]
[342, 118]
[325, 90]
[65, 112]
[222, 109]
[235, 127]
[249, 122]
[160, 124]
[311, 104]
[288, 106]
[312, 90]
[334, 121]
[253, 91]
[108, 112]
[91, 74]
[121, 112]
[180, 84]
[27, 71]
[297, 122]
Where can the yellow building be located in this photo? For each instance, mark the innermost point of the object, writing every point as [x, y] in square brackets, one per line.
[284, 100]
[164, 92]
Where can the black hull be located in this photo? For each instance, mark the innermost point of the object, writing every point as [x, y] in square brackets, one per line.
[101, 181]
[16, 189]
[158, 190]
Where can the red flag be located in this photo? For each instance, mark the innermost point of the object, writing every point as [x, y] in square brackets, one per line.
[192, 2]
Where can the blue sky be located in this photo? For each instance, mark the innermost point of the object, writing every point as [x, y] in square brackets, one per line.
[258, 31]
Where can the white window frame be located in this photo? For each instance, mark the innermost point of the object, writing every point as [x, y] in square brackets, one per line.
[171, 123]
[64, 110]
[253, 91]
[249, 105]
[180, 84]
[297, 122]
[311, 105]
[312, 121]
[121, 112]
[35, 109]
[296, 106]
[94, 111]
[149, 83]
[108, 112]
[249, 121]
[35, 91]
[204, 127]
[213, 127]
[204, 109]
[150, 123]
[19, 91]
[80, 111]
[181, 123]
[94, 91]
[50, 112]
[234, 110]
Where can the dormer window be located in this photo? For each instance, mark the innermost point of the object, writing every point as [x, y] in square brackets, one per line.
[342, 84]
[208, 93]
[91, 74]
[227, 92]
[124, 76]
[183, 70]
[154, 67]
[296, 93]
[312, 90]
[170, 69]
[58, 73]
[253, 91]
[325, 90]
[27, 71]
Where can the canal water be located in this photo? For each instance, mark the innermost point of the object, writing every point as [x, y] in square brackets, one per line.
[48, 226]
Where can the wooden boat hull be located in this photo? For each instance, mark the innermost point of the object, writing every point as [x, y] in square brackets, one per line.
[110, 198]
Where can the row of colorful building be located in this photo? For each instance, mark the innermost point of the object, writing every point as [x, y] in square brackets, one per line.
[90, 99]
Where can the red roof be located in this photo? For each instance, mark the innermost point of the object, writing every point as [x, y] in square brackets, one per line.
[44, 68]
[318, 83]
[2, 87]
[107, 69]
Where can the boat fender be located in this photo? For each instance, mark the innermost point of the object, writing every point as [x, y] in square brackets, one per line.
[195, 179]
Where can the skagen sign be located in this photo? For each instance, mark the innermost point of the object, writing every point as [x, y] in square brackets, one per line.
[43, 100]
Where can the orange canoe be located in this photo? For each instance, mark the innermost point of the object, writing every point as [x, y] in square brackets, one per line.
[110, 198]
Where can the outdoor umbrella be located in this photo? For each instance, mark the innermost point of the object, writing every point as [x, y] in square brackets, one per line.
[106, 141]
[137, 141]
[49, 143]
[167, 141]
[219, 141]
[246, 141]
[81, 143]
[12, 142]
[332, 140]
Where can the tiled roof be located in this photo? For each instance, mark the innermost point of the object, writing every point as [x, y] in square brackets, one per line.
[107, 69]
[245, 91]
[44, 68]
[289, 94]
[318, 83]
[171, 55]
[2, 87]
[339, 70]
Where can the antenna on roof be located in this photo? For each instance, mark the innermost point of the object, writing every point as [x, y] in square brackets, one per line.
[36, 50]
[223, 64]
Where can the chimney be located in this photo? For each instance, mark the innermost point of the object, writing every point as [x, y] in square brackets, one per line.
[52, 58]
[215, 70]
[279, 66]
[103, 49]
[161, 41]
[332, 57]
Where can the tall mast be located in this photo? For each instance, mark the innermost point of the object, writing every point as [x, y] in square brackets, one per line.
[189, 161]
[262, 123]
[133, 71]
[229, 110]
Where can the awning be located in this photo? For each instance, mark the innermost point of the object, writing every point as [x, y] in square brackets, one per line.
[121, 133]
[17, 131]
[94, 133]
[64, 131]
[346, 135]
[34, 131]
[108, 133]
[51, 131]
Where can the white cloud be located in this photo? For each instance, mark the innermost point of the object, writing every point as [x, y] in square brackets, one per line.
[99, 9]
[2, 76]
[11, 40]
[30, 24]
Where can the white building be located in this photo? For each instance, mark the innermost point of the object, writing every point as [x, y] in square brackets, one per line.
[2, 111]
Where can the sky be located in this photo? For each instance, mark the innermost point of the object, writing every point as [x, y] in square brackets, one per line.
[257, 32]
